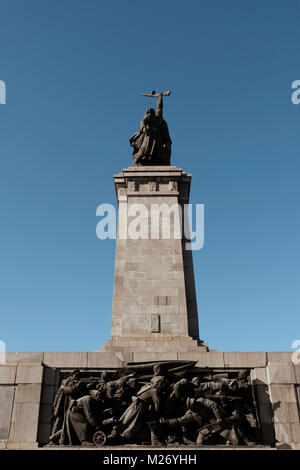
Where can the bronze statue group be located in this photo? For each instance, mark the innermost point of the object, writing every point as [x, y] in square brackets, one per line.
[158, 406]
[152, 143]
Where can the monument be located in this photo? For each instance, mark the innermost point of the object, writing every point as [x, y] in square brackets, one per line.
[155, 382]
[154, 300]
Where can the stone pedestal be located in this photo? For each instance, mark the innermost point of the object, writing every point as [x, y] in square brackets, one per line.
[154, 300]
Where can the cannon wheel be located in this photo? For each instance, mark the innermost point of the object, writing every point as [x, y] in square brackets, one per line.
[99, 438]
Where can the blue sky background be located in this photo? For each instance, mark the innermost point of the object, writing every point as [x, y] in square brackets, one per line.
[75, 71]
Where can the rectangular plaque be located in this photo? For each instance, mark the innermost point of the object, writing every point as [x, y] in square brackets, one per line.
[155, 323]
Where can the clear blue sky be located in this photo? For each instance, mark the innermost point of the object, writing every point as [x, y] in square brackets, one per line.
[75, 71]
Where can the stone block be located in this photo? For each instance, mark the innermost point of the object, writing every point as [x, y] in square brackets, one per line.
[155, 356]
[28, 393]
[104, 359]
[7, 374]
[125, 356]
[281, 373]
[29, 374]
[297, 372]
[24, 422]
[282, 393]
[278, 356]
[204, 359]
[296, 432]
[30, 445]
[283, 432]
[6, 404]
[16, 357]
[259, 376]
[286, 412]
[25, 413]
[245, 359]
[66, 359]
[2, 443]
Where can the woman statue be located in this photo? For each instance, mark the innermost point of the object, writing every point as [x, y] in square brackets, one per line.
[152, 143]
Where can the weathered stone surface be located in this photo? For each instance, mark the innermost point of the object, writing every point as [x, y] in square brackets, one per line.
[7, 374]
[6, 404]
[281, 373]
[297, 372]
[161, 344]
[283, 432]
[282, 393]
[104, 359]
[259, 375]
[296, 432]
[25, 413]
[155, 356]
[24, 422]
[28, 393]
[278, 356]
[15, 357]
[204, 359]
[65, 359]
[3, 443]
[125, 356]
[29, 374]
[286, 412]
[245, 359]
[22, 445]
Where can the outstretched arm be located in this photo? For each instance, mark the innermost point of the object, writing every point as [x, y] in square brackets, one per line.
[159, 109]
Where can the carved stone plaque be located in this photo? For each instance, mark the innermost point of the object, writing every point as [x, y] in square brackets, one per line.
[131, 186]
[152, 186]
[155, 323]
[121, 193]
[173, 186]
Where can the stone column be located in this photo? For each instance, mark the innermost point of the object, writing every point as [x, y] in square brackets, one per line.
[154, 300]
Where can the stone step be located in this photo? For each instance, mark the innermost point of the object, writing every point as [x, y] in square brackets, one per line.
[175, 344]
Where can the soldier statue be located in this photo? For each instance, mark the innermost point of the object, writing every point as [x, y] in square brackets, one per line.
[152, 143]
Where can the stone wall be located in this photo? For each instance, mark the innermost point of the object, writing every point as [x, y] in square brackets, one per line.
[28, 382]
